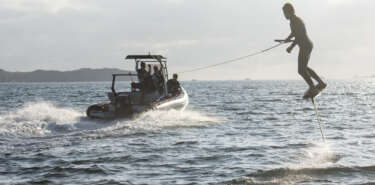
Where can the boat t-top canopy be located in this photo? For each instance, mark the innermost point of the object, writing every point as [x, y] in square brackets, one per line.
[151, 58]
[145, 57]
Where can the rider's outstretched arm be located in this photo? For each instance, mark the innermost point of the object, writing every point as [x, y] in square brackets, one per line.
[289, 38]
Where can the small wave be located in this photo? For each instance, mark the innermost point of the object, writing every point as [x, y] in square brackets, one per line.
[186, 143]
[225, 108]
[305, 109]
[251, 113]
[271, 118]
[293, 176]
[77, 169]
[313, 164]
[270, 100]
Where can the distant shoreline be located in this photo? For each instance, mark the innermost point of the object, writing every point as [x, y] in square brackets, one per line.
[80, 75]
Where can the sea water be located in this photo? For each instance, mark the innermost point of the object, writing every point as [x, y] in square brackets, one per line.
[233, 132]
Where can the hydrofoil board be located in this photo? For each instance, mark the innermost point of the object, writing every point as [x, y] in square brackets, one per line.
[312, 95]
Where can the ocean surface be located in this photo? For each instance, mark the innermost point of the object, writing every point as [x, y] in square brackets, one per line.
[233, 132]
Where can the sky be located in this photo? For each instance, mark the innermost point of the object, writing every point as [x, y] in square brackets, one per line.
[73, 34]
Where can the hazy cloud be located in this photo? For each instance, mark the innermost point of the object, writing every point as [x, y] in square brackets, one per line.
[50, 6]
[70, 34]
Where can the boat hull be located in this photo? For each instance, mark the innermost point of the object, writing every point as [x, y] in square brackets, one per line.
[179, 102]
[114, 111]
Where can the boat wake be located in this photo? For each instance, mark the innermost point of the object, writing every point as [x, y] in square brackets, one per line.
[40, 119]
[170, 119]
[37, 119]
[42, 125]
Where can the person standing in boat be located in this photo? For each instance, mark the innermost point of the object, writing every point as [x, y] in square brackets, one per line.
[142, 75]
[142, 72]
[158, 79]
[298, 32]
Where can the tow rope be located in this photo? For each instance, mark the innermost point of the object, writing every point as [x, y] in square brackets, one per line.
[233, 60]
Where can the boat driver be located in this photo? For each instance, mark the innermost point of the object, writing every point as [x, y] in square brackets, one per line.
[142, 74]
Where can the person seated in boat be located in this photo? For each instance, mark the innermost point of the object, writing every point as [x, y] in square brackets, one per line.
[173, 85]
[158, 80]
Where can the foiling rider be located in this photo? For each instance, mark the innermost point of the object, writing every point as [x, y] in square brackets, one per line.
[298, 31]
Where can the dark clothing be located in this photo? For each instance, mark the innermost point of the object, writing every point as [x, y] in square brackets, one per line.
[299, 32]
[303, 60]
[142, 74]
[305, 48]
[158, 81]
[148, 84]
[173, 86]
[143, 77]
[137, 85]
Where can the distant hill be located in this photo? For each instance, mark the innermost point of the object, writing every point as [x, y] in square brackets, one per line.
[80, 75]
[357, 76]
